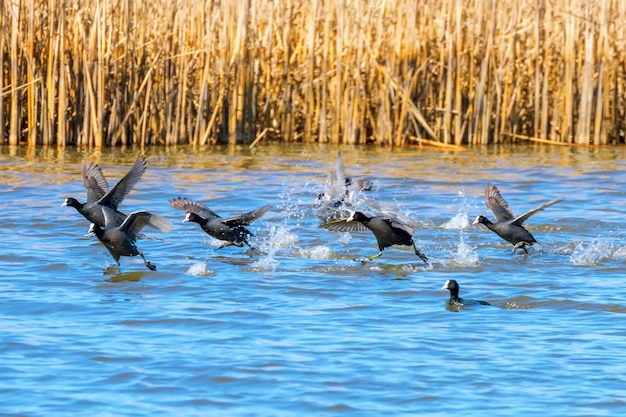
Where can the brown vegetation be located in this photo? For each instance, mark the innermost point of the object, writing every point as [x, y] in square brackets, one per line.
[110, 72]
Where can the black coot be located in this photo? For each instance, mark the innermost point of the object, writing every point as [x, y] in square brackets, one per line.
[455, 300]
[388, 230]
[231, 230]
[507, 226]
[100, 199]
[120, 240]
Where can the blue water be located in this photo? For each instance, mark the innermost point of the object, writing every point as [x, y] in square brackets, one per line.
[296, 326]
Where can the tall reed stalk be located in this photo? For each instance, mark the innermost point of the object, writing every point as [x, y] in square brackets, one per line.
[94, 73]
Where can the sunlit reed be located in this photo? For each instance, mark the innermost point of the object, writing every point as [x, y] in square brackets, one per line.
[95, 73]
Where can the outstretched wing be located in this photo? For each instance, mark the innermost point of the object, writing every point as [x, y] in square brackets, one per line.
[498, 206]
[94, 181]
[245, 219]
[335, 186]
[519, 220]
[182, 203]
[114, 197]
[137, 220]
[344, 226]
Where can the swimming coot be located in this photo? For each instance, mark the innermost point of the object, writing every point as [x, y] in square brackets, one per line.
[455, 300]
[120, 240]
[231, 230]
[388, 231]
[507, 226]
[100, 199]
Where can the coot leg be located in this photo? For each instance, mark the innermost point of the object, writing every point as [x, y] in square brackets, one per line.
[420, 254]
[151, 266]
[521, 245]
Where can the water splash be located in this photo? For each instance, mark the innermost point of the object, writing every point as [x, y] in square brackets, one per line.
[591, 253]
[459, 222]
[345, 238]
[465, 254]
[513, 305]
[199, 269]
[620, 252]
[315, 252]
[278, 237]
[297, 199]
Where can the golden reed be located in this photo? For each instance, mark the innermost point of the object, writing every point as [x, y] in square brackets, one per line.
[96, 73]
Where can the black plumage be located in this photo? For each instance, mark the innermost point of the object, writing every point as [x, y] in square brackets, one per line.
[100, 199]
[388, 231]
[455, 300]
[120, 240]
[507, 225]
[230, 230]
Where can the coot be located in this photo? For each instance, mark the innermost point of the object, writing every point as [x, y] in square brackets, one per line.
[388, 231]
[120, 240]
[100, 199]
[507, 226]
[340, 190]
[231, 230]
[455, 300]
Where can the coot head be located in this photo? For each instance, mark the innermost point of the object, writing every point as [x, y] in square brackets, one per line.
[357, 216]
[481, 219]
[451, 285]
[72, 202]
[193, 217]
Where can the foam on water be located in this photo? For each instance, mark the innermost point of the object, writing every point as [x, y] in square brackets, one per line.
[315, 252]
[459, 222]
[465, 254]
[297, 198]
[592, 253]
[199, 269]
[620, 252]
[278, 237]
[344, 238]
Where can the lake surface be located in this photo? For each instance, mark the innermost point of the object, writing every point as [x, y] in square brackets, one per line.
[297, 326]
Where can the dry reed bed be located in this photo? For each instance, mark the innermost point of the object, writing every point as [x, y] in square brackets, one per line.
[103, 72]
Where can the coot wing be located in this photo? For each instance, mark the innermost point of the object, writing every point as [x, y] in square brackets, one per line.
[94, 181]
[114, 197]
[194, 207]
[344, 226]
[498, 205]
[244, 219]
[519, 220]
[335, 186]
[137, 220]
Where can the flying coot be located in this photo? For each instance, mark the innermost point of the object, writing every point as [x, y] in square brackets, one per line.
[100, 199]
[340, 190]
[120, 240]
[388, 231]
[231, 230]
[507, 226]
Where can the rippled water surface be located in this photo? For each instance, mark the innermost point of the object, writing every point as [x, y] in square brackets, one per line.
[297, 326]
